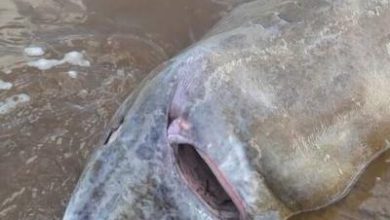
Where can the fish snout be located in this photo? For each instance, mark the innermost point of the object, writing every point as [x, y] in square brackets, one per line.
[121, 178]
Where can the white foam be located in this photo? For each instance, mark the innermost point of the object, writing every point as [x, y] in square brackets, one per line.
[76, 58]
[45, 64]
[5, 85]
[388, 48]
[73, 58]
[72, 74]
[12, 102]
[34, 51]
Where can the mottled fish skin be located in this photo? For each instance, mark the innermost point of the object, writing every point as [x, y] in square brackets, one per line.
[288, 100]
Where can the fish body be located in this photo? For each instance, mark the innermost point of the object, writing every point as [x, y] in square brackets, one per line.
[276, 111]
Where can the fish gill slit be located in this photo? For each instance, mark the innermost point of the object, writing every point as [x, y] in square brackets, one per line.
[200, 178]
[112, 131]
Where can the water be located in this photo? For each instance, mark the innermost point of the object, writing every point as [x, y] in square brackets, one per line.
[65, 67]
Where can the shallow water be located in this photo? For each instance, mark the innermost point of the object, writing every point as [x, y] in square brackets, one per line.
[66, 65]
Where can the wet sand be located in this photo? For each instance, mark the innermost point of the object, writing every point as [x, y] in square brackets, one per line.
[52, 119]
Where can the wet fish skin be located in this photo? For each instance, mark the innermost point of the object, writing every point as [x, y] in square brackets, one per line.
[284, 97]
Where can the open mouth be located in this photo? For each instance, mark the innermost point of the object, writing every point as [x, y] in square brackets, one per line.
[204, 183]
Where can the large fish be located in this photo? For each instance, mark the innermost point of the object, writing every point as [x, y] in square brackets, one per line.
[276, 111]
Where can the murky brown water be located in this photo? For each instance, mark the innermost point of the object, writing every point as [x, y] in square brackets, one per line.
[50, 120]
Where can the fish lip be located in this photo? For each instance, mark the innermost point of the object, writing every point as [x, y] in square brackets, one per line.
[174, 142]
[227, 186]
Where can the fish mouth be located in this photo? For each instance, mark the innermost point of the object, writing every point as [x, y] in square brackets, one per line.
[201, 175]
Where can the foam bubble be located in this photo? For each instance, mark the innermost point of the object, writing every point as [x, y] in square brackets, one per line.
[76, 58]
[45, 64]
[12, 102]
[73, 58]
[72, 74]
[5, 85]
[34, 51]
